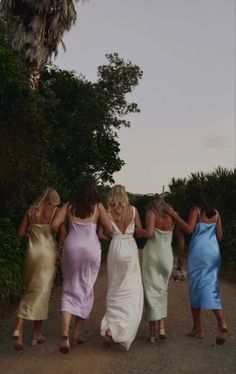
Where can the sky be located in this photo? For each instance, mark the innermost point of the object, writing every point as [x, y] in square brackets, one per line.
[186, 49]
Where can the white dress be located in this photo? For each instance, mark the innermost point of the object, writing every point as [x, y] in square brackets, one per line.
[125, 290]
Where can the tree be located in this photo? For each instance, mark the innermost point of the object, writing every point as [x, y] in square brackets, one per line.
[63, 131]
[38, 29]
[219, 187]
[87, 117]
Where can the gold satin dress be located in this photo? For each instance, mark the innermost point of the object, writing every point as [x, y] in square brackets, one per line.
[39, 272]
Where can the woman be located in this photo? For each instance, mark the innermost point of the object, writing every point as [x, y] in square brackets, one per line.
[39, 265]
[204, 260]
[157, 265]
[80, 258]
[125, 291]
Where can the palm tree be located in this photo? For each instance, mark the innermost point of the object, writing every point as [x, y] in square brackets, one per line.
[39, 26]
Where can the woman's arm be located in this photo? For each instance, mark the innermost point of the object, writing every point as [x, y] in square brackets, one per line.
[149, 224]
[181, 240]
[60, 218]
[138, 224]
[188, 226]
[62, 235]
[22, 230]
[101, 233]
[105, 221]
[219, 230]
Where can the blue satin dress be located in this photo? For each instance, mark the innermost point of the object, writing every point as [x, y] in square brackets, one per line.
[204, 262]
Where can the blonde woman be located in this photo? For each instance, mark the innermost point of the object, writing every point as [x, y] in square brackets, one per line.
[39, 265]
[157, 265]
[124, 302]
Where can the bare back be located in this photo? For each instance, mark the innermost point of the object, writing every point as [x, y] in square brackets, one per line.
[163, 222]
[123, 222]
[43, 216]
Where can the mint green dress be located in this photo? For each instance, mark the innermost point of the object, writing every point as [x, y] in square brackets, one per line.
[157, 266]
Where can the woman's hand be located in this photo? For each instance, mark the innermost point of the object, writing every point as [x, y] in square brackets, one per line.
[170, 211]
[180, 263]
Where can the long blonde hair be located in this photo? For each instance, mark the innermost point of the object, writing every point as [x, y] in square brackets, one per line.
[49, 195]
[118, 199]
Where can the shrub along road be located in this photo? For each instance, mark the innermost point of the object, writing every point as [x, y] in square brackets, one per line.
[178, 354]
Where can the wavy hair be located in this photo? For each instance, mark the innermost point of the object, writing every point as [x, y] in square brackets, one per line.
[49, 195]
[118, 199]
[157, 204]
[82, 204]
[195, 198]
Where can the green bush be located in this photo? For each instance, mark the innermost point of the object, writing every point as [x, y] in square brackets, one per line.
[12, 252]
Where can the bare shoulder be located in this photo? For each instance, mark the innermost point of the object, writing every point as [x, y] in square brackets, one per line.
[101, 208]
[150, 213]
[194, 211]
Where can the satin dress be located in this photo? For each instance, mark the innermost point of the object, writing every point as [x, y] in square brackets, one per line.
[124, 300]
[80, 263]
[39, 273]
[157, 266]
[204, 262]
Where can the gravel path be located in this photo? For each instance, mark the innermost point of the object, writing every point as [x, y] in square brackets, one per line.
[177, 355]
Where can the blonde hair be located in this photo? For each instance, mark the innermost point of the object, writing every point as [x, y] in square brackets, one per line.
[157, 204]
[49, 196]
[118, 199]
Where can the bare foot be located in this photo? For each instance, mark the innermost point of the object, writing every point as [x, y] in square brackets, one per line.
[162, 334]
[152, 339]
[37, 339]
[195, 334]
[221, 334]
[76, 341]
[17, 340]
[64, 344]
[107, 340]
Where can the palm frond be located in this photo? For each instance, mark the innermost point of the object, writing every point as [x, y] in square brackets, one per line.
[39, 27]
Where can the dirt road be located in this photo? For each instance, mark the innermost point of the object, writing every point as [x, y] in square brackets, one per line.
[177, 355]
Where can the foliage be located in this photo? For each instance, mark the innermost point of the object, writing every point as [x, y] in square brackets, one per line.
[219, 187]
[11, 261]
[39, 27]
[63, 131]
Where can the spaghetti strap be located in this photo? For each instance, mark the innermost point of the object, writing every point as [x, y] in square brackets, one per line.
[133, 211]
[53, 213]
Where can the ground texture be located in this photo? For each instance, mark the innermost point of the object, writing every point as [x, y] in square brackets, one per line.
[178, 354]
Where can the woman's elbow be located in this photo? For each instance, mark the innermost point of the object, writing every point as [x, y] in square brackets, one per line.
[54, 228]
[149, 234]
[188, 230]
[219, 237]
[20, 235]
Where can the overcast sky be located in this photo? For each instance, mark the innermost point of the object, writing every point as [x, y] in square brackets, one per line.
[186, 49]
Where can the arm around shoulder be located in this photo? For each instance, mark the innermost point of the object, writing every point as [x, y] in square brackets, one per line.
[60, 218]
[188, 226]
[104, 221]
[149, 223]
